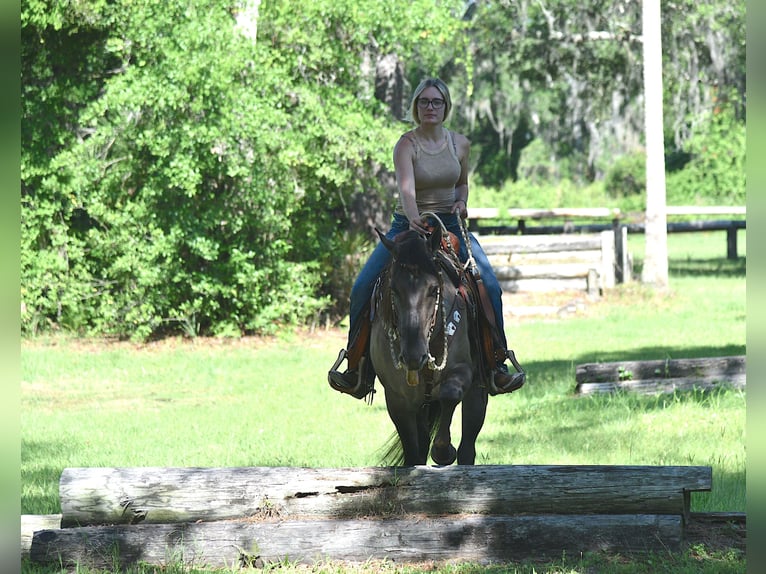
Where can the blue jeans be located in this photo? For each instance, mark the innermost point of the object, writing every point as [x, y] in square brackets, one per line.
[365, 282]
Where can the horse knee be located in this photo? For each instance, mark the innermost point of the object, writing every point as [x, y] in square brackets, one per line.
[451, 392]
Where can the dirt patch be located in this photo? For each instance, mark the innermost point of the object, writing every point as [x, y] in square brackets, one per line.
[717, 532]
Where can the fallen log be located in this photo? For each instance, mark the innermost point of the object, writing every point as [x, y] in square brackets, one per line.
[31, 523]
[664, 368]
[164, 495]
[231, 544]
[663, 386]
[661, 376]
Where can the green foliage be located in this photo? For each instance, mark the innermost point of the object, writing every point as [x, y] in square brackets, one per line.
[567, 77]
[626, 176]
[192, 178]
[715, 172]
[170, 208]
[178, 174]
[532, 194]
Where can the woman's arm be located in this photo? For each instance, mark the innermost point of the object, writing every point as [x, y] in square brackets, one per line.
[463, 145]
[405, 180]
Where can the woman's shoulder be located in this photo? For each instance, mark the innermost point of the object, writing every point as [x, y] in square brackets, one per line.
[460, 139]
[408, 136]
[407, 141]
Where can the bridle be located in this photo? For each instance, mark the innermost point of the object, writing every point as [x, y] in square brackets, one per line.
[393, 333]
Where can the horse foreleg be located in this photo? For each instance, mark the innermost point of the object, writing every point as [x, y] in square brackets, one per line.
[409, 427]
[451, 392]
[474, 412]
[442, 451]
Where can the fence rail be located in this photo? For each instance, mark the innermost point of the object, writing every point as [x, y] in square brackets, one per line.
[620, 223]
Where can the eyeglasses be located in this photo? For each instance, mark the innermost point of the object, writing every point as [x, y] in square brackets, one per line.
[436, 103]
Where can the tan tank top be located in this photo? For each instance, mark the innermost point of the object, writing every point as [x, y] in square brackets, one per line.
[436, 174]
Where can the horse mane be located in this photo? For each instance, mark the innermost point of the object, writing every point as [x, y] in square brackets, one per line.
[413, 254]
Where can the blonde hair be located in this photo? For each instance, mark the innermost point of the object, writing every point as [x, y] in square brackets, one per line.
[428, 83]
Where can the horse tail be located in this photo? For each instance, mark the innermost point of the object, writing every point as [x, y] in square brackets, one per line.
[393, 453]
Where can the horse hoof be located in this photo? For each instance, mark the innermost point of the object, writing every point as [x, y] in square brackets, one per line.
[444, 459]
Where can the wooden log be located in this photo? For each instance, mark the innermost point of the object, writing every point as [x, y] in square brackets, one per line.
[662, 386]
[164, 495]
[722, 367]
[693, 226]
[591, 257]
[31, 523]
[233, 544]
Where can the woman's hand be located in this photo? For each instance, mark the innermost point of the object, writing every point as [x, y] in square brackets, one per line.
[417, 224]
[460, 208]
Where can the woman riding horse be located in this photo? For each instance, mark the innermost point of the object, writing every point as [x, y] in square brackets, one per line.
[431, 165]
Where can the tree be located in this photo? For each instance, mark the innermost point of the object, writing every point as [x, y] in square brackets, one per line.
[567, 76]
[655, 271]
[177, 175]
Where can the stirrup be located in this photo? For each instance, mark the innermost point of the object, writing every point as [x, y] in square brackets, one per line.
[340, 381]
[517, 379]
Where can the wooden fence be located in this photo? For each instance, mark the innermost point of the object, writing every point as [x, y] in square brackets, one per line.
[253, 516]
[585, 262]
[619, 223]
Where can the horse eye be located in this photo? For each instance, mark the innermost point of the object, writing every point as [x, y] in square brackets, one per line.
[433, 292]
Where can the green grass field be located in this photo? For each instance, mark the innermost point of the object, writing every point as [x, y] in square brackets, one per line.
[266, 402]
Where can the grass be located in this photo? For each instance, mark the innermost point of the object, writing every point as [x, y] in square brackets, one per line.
[265, 402]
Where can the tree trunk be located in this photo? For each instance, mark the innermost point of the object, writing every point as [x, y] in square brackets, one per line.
[655, 270]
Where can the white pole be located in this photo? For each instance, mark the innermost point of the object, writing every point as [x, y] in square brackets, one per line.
[655, 271]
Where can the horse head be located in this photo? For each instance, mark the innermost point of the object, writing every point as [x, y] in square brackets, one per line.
[415, 286]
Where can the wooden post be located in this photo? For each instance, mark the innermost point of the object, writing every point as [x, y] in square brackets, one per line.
[622, 269]
[731, 243]
[655, 271]
[608, 260]
[593, 287]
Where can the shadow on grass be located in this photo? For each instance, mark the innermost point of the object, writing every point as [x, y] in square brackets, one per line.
[662, 353]
[719, 267]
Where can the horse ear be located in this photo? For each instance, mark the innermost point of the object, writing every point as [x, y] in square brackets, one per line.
[390, 245]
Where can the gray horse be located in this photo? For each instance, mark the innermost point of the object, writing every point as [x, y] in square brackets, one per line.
[424, 348]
